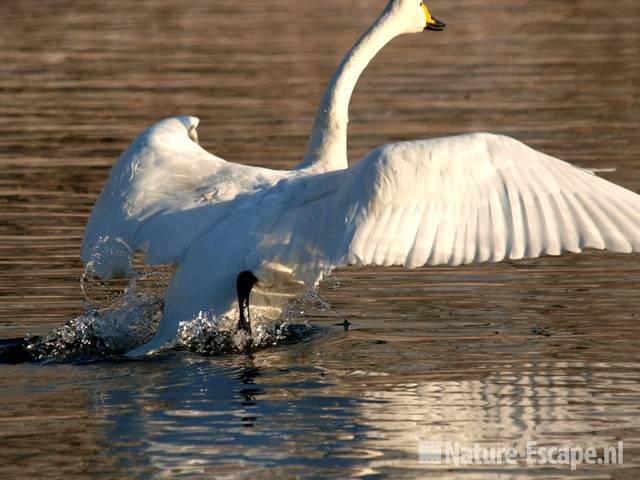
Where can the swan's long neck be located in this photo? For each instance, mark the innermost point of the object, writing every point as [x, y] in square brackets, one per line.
[328, 143]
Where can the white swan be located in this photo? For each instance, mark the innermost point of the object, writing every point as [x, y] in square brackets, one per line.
[458, 200]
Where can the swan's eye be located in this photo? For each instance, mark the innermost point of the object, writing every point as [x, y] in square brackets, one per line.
[193, 134]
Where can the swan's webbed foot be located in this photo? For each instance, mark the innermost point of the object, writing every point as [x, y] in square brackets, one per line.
[244, 285]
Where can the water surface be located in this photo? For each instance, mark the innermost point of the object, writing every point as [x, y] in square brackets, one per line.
[543, 350]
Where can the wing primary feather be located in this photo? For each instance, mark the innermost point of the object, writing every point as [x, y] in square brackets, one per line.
[471, 242]
[603, 216]
[500, 230]
[359, 245]
[389, 244]
[567, 226]
[550, 227]
[416, 213]
[441, 250]
[626, 218]
[421, 249]
[518, 236]
[483, 233]
[459, 246]
[588, 231]
[627, 201]
[384, 237]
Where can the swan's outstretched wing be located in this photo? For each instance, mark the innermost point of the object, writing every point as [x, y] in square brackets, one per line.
[152, 197]
[459, 200]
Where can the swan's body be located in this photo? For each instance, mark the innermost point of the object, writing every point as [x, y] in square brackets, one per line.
[457, 200]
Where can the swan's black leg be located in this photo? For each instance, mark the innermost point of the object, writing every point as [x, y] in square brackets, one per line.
[244, 285]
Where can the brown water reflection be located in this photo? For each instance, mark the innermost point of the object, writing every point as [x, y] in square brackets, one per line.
[461, 361]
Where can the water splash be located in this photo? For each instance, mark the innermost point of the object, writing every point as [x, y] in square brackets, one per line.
[95, 336]
[311, 300]
[110, 257]
[123, 314]
[209, 335]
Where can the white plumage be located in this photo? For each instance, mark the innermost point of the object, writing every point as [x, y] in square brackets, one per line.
[464, 199]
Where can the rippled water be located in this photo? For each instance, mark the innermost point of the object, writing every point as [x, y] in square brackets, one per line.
[543, 350]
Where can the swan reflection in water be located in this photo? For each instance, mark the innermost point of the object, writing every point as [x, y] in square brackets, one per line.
[185, 415]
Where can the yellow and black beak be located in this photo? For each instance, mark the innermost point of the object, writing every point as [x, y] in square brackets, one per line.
[432, 23]
[436, 26]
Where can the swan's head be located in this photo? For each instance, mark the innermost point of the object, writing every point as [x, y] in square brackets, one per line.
[178, 125]
[414, 16]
